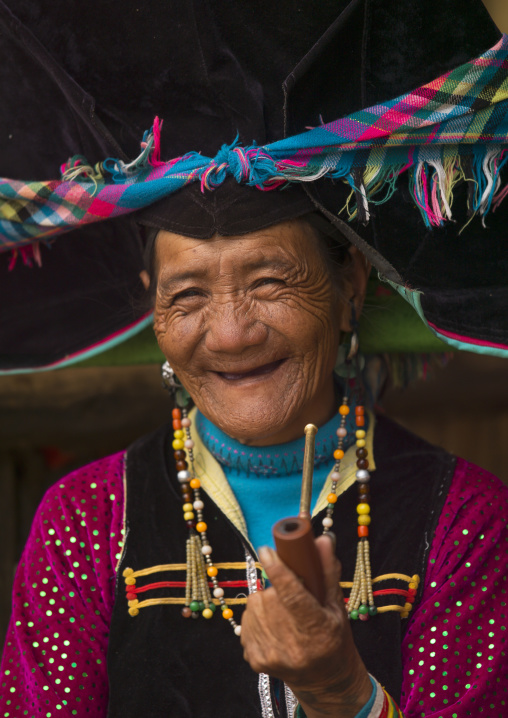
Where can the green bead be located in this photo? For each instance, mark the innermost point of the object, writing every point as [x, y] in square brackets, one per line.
[354, 614]
[372, 610]
[202, 606]
[223, 606]
[212, 607]
[363, 609]
[194, 605]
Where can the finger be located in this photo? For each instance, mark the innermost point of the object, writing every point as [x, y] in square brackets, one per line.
[332, 568]
[290, 591]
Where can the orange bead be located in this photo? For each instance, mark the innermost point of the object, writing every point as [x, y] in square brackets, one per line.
[332, 498]
[344, 410]
[363, 531]
[195, 483]
[176, 414]
[227, 613]
[177, 424]
[201, 526]
[359, 410]
[211, 571]
[360, 420]
[338, 454]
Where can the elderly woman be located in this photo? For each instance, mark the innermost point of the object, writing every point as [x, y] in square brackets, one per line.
[149, 585]
[126, 552]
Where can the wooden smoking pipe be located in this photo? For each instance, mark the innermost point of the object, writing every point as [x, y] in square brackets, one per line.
[294, 538]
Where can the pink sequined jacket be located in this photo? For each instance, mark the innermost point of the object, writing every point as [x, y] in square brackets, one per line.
[54, 662]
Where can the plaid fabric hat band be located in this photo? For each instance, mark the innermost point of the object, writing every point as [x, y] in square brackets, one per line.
[452, 129]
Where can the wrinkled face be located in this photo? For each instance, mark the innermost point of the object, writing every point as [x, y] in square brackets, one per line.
[251, 326]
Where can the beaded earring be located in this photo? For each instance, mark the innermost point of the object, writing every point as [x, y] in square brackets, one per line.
[200, 570]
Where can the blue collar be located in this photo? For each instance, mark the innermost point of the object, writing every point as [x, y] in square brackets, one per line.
[275, 460]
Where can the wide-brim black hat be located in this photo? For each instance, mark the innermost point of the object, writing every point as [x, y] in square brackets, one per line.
[88, 79]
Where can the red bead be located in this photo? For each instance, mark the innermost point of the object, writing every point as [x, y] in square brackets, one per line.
[363, 616]
[359, 410]
[363, 531]
[360, 420]
[176, 414]
[410, 599]
[130, 596]
[186, 612]
[190, 524]
[362, 464]
[180, 455]
[181, 465]
[177, 424]
[411, 591]
[362, 453]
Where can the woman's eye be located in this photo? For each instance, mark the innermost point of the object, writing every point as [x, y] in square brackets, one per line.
[265, 281]
[187, 294]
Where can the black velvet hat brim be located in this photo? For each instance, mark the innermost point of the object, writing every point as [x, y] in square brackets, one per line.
[89, 78]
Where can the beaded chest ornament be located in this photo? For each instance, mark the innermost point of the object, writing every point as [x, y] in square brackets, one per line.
[202, 584]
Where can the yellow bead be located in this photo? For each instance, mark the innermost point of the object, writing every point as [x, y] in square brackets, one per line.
[177, 444]
[207, 613]
[201, 526]
[408, 607]
[133, 611]
[363, 509]
[416, 579]
[364, 520]
[188, 516]
[412, 584]
[133, 603]
[227, 613]
[187, 507]
[178, 434]
[211, 571]
[360, 434]
[332, 498]
[127, 572]
[338, 454]
[344, 410]
[360, 443]
[130, 581]
[195, 483]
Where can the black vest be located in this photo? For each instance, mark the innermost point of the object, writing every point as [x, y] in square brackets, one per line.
[160, 664]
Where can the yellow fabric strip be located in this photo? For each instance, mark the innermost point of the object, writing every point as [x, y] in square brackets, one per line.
[400, 576]
[240, 565]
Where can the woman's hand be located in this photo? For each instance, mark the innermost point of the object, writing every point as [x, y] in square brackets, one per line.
[289, 635]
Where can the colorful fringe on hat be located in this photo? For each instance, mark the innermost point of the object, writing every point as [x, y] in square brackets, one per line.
[453, 129]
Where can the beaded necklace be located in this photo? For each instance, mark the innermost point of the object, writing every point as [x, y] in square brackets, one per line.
[199, 563]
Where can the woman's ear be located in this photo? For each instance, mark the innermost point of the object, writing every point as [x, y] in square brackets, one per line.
[354, 288]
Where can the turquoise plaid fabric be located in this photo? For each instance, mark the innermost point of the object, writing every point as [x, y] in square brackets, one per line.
[453, 129]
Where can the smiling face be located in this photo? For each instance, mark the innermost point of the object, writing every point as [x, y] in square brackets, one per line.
[251, 326]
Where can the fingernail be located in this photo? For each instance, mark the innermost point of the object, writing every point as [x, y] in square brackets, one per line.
[267, 556]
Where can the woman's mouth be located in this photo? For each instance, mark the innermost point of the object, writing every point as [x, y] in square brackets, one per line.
[251, 373]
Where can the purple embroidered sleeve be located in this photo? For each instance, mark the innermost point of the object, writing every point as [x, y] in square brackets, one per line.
[454, 651]
[54, 661]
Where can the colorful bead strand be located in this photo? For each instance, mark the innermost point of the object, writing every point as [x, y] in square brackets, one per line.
[361, 600]
[200, 568]
[338, 455]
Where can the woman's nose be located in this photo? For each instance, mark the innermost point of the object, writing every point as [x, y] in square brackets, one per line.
[232, 328]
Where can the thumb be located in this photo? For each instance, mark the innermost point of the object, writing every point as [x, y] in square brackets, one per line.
[332, 568]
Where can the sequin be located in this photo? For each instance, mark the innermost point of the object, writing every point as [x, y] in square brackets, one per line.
[463, 577]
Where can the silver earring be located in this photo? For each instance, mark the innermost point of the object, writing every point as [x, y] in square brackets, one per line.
[172, 384]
